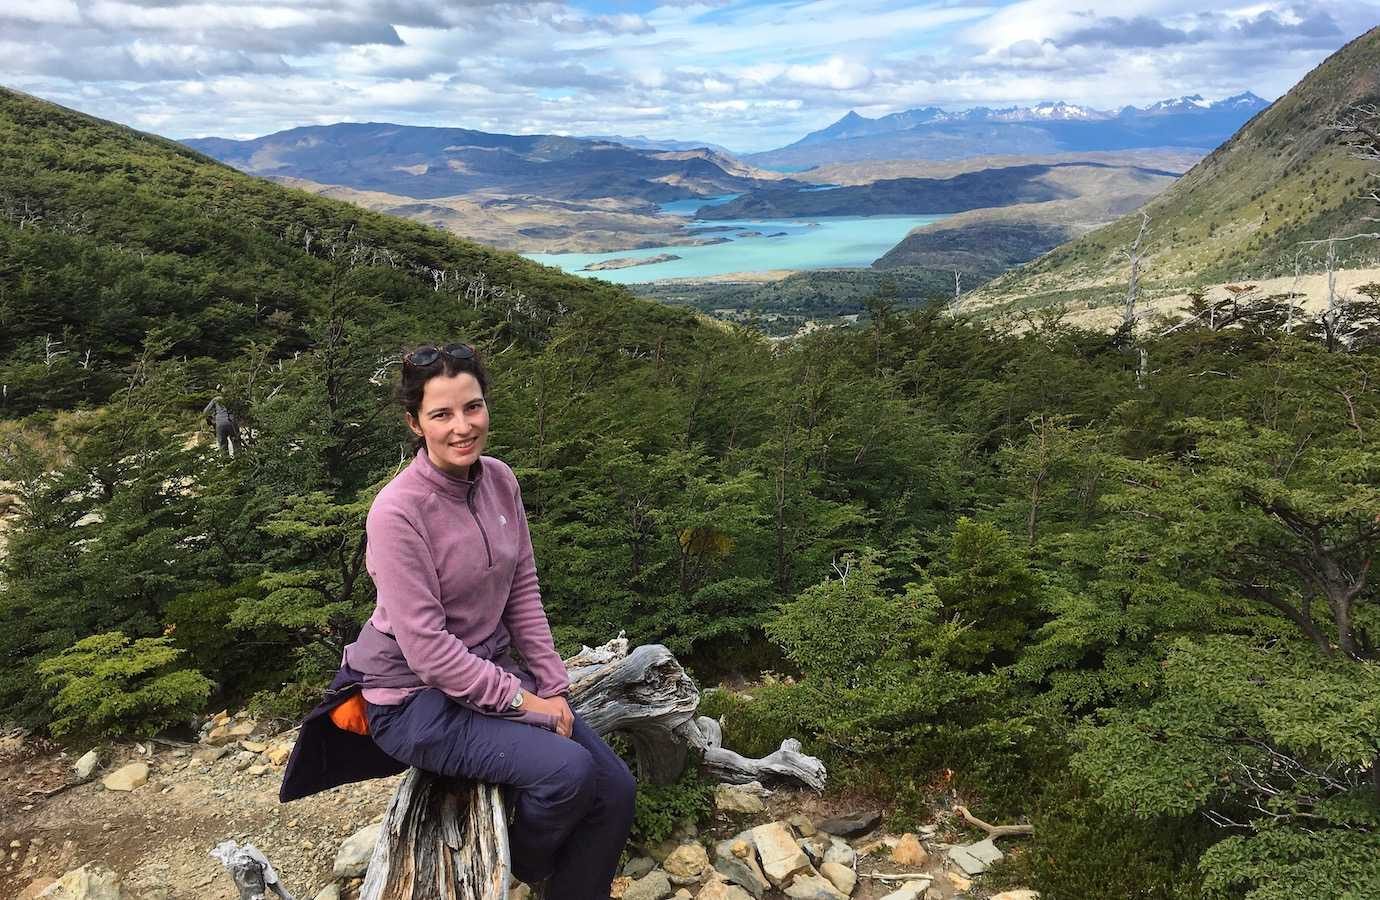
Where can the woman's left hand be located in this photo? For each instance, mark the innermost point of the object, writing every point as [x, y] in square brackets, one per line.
[557, 708]
[565, 718]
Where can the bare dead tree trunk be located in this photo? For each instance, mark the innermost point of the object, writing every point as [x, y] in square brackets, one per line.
[1129, 314]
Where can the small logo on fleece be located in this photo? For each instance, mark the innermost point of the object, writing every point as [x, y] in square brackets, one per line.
[502, 519]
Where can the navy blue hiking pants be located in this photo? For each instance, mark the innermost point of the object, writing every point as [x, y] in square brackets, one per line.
[572, 797]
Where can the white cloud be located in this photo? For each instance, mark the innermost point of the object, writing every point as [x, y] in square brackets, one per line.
[837, 73]
[745, 73]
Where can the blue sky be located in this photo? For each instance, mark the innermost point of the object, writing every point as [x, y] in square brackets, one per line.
[748, 74]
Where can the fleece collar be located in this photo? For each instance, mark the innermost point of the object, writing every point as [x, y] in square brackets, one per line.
[446, 483]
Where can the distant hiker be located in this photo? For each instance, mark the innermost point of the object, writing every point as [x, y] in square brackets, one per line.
[227, 430]
[432, 683]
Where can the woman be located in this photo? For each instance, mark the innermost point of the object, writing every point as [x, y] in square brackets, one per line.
[449, 551]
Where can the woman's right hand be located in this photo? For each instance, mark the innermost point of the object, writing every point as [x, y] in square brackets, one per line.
[555, 707]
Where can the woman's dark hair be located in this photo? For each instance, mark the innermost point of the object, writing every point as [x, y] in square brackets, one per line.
[414, 377]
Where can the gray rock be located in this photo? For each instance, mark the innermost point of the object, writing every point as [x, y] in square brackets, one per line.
[812, 886]
[851, 825]
[86, 766]
[639, 866]
[974, 859]
[329, 892]
[841, 852]
[207, 755]
[654, 886]
[743, 869]
[911, 890]
[352, 859]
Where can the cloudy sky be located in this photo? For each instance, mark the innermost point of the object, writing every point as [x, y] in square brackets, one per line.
[749, 74]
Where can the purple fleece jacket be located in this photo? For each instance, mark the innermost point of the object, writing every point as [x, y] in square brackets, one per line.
[452, 561]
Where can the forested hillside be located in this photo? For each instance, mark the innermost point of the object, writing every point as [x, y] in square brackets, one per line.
[1123, 595]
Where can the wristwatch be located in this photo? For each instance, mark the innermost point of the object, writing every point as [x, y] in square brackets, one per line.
[517, 700]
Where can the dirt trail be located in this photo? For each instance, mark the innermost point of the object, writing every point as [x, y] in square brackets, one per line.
[158, 836]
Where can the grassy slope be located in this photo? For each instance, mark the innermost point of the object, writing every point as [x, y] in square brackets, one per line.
[1242, 211]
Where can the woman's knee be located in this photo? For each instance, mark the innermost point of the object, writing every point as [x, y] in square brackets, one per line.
[571, 779]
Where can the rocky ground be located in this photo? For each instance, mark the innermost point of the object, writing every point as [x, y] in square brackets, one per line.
[137, 822]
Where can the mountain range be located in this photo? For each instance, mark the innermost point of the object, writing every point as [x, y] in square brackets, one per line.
[424, 163]
[1245, 212]
[1054, 127]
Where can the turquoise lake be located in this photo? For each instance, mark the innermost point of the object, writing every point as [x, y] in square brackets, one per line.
[796, 244]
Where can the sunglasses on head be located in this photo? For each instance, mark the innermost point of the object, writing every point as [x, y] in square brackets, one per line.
[425, 356]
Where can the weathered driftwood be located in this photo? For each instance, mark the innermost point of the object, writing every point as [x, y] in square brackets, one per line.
[447, 840]
[253, 874]
[440, 840]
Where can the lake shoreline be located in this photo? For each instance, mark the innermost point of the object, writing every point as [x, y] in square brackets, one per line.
[752, 247]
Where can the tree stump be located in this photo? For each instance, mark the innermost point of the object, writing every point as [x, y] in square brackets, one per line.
[444, 839]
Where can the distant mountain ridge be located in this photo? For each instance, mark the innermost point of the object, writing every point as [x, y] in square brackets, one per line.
[428, 162]
[642, 142]
[1244, 213]
[934, 133]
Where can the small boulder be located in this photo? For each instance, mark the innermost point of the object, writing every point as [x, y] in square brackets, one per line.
[812, 886]
[90, 882]
[254, 746]
[278, 753]
[329, 892]
[352, 859]
[619, 887]
[851, 825]
[974, 859]
[256, 771]
[722, 890]
[639, 866]
[207, 755]
[911, 890]
[802, 825]
[909, 852]
[735, 861]
[127, 778]
[840, 876]
[781, 856]
[86, 766]
[655, 885]
[688, 861]
[1019, 894]
[731, 799]
[840, 852]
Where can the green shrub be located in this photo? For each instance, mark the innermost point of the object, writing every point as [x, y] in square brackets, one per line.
[1082, 850]
[108, 685]
[660, 808]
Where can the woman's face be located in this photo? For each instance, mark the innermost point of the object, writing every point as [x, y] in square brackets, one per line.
[453, 419]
